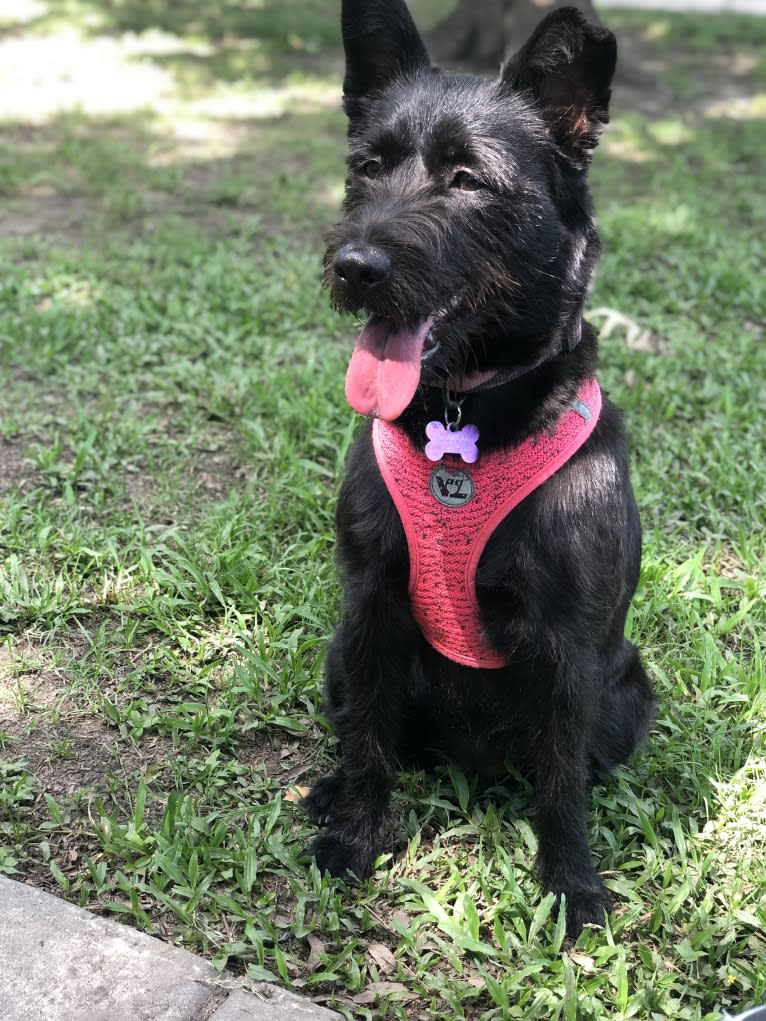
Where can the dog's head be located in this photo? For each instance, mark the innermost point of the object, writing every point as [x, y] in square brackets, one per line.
[468, 240]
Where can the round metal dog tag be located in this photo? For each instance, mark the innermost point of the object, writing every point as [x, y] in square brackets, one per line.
[452, 488]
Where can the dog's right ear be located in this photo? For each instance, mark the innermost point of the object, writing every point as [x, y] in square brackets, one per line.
[567, 66]
[381, 44]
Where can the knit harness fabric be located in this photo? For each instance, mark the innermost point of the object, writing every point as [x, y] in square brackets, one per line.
[449, 510]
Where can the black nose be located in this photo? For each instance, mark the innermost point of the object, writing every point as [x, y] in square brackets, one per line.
[361, 266]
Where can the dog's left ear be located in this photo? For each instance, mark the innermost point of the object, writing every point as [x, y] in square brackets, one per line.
[381, 44]
[567, 65]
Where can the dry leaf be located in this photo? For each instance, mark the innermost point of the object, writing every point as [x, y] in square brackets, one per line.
[316, 947]
[296, 793]
[375, 990]
[637, 338]
[383, 957]
[586, 963]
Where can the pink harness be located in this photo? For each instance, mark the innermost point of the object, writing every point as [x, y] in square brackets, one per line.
[450, 510]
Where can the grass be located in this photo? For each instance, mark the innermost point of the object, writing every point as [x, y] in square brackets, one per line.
[172, 433]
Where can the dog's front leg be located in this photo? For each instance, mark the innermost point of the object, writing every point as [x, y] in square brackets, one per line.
[367, 670]
[562, 787]
[367, 678]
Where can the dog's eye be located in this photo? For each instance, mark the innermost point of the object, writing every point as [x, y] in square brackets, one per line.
[371, 168]
[465, 181]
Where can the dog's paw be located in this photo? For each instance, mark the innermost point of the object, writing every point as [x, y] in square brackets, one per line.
[339, 857]
[320, 802]
[586, 906]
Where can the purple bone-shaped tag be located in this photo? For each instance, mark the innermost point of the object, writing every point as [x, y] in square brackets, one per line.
[452, 441]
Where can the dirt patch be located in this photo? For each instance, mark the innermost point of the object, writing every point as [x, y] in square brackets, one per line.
[218, 474]
[74, 219]
[210, 473]
[15, 467]
[75, 765]
[78, 221]
[288, 763]
[48, 215]
[73, 758]
[32, 684]
[649, 81]
[25, 693]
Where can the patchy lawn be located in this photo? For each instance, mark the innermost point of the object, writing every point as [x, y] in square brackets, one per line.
[172, 433]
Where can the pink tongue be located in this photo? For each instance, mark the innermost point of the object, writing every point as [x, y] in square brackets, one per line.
[384, 370]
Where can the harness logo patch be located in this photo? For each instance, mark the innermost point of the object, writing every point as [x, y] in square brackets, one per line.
[452, 488]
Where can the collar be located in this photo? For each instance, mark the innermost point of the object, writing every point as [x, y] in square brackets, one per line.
[471, 382]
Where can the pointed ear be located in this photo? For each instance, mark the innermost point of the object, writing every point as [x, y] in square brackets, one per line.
[381, 43]
[567, 65]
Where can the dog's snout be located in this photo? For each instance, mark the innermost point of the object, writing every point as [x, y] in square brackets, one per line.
[361, 266]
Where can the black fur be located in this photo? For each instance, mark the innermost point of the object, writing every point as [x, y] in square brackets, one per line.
[467, 199]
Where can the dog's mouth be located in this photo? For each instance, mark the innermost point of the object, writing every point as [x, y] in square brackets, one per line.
[384, 371]
[385, 368]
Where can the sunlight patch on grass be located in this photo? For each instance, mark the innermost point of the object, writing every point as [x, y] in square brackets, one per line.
[628, 139]
[671, 131]
[740, 823]
[156, 43]
[740, 108]
[53, 292]
[241, 103]
[44, 76]
[73, 292]
[624, 149]
[333, 196]
[17, 12]
[185, 137]
[744, 63]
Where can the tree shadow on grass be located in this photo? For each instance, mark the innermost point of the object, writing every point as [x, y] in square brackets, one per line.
[229, 118]
[75, 177]
[271, 145]
[291, 26]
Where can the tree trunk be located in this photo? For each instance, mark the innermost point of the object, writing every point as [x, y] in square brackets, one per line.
[472, 34]
[481, 33]
[521, 17]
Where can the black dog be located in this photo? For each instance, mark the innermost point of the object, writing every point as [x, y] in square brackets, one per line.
[469, 243]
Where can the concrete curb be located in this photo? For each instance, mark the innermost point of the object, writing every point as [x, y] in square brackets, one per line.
[59, 962]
